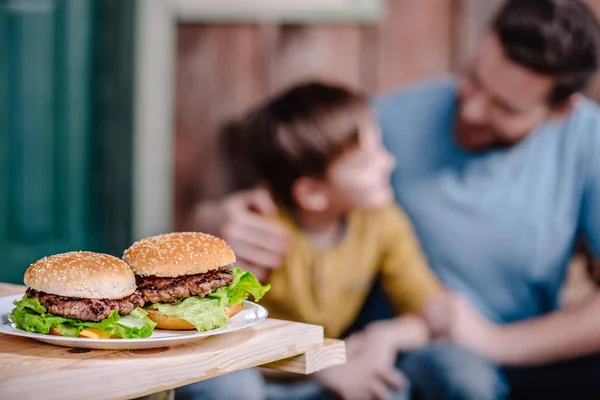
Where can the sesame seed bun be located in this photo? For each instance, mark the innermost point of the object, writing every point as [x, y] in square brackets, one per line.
[81, 274]
[176, 254]
[170, 322]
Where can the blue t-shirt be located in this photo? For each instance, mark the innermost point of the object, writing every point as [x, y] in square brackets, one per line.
[498, 227]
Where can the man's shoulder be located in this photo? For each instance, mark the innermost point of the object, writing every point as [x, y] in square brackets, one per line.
[582, 127]
[417, 94]
[417, 117]
[587, 110]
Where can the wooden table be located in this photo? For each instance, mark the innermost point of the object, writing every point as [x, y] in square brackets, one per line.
[31, 369]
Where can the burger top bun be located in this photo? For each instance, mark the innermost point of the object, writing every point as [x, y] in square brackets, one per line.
[176, 254]
[82, 274]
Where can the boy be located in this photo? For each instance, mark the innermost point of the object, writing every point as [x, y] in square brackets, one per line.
[319, 151]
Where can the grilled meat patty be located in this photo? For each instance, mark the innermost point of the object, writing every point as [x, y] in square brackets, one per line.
[86, 309]
[168, 290]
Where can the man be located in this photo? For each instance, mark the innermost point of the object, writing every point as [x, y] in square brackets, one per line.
[499, 173]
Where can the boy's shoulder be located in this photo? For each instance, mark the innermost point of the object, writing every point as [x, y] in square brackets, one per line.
[384, 224]
[390, 216]
[391, 213]
[382, 228]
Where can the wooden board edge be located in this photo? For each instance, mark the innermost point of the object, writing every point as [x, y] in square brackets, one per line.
[255, 351]
[331, 353]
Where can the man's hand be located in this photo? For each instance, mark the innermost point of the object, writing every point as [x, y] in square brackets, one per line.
[452, 317]
[243, 220]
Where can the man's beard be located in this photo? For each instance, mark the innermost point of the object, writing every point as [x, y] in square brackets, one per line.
[496, 142]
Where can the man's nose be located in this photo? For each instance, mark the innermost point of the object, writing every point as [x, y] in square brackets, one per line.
[474, 108]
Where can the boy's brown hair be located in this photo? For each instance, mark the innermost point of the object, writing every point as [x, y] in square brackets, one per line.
[299, 133]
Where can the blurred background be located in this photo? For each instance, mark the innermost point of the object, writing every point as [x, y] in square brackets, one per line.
[110, 109]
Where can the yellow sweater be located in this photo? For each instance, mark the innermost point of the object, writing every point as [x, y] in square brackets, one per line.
[329, 287]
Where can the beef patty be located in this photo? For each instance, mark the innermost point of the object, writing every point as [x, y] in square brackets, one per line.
[156, 289]
[86, 309]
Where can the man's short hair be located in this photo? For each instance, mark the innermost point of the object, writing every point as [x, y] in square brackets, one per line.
[558, 38]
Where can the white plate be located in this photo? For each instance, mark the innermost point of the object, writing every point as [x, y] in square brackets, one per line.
[251, 314]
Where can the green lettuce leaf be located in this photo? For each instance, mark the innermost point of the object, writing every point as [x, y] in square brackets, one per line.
[205, 314]
[244, 284]
[209, 312]
[30, 315]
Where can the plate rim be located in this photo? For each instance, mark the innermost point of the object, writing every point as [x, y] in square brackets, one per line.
[5, 321]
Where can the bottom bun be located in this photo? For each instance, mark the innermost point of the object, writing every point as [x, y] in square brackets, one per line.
[170, 322]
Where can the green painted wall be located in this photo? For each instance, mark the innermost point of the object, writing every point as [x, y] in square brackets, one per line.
[55, 142]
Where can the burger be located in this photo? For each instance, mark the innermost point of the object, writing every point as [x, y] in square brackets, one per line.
[82, 294]
[187, 280]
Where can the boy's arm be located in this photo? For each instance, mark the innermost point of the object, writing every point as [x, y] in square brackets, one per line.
[402, 333]
[406, 278]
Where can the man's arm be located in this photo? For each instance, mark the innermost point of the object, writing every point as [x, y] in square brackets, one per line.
[554, 337]
[405, 275]
[573, 332]
[243, 220]
[558, 336]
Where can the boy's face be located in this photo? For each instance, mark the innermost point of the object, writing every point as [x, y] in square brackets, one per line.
[360, 178]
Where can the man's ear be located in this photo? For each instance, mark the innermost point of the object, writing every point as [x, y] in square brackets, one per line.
[310, 194]
[566, 107]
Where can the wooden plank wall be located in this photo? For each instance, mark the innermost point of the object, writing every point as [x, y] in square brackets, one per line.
[222, 69]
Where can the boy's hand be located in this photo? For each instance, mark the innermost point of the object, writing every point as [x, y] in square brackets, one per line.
[370, 372]
[359, 380]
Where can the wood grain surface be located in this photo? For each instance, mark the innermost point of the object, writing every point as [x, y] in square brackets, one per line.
[30, 369]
